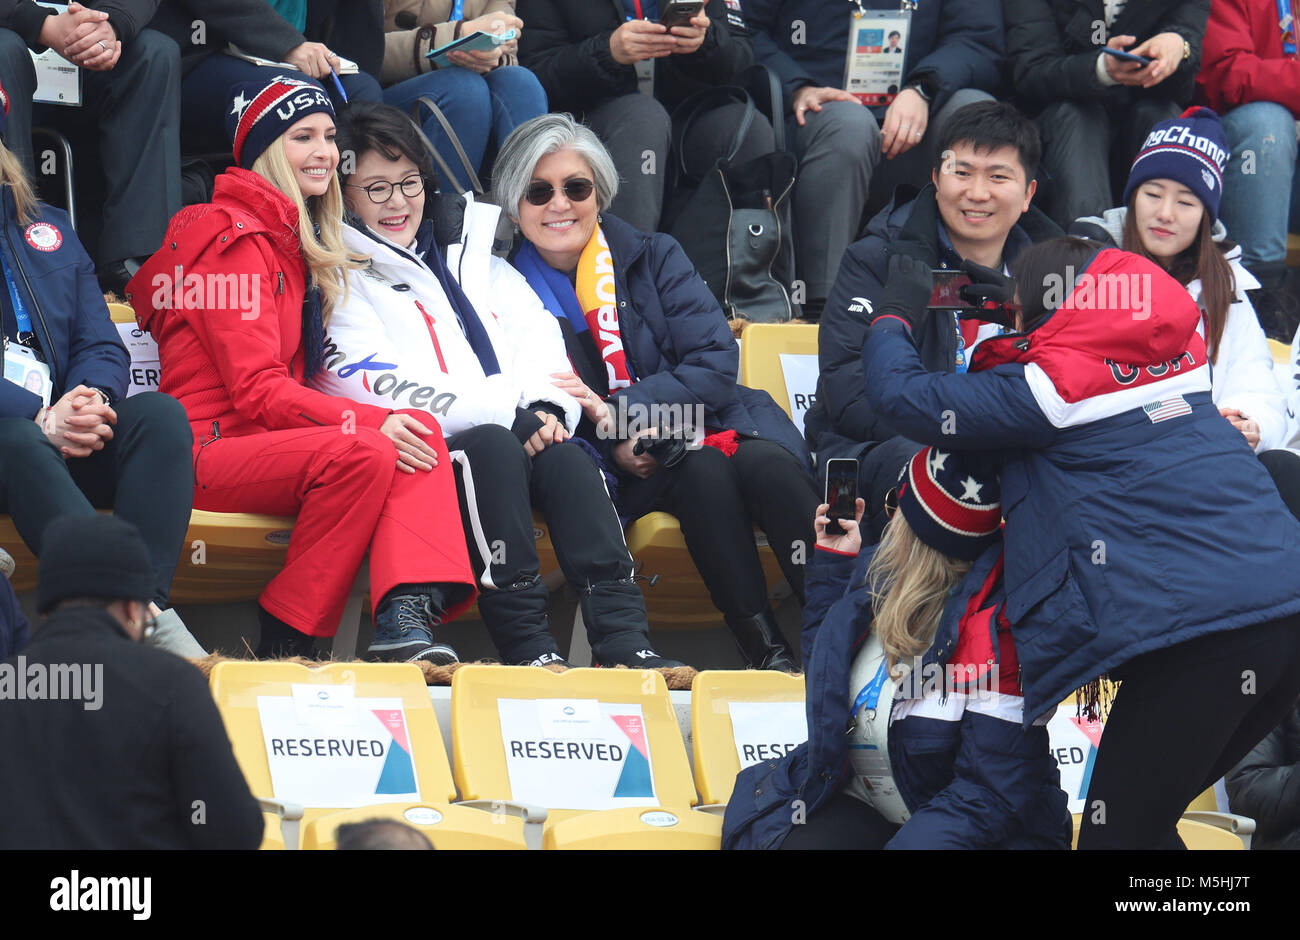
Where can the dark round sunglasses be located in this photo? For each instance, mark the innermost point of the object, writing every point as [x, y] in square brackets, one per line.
[382, 191]
[579, 190]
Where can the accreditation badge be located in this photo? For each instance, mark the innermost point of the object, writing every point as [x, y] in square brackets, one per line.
[25, 370]
[873, 63]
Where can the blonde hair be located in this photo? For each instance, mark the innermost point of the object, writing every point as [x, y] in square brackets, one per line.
[13, 176]
[326, 257]
[909, 583]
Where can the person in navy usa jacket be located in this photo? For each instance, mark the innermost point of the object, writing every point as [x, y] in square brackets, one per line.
[937, 757]
[70, 442]
[1143, 538]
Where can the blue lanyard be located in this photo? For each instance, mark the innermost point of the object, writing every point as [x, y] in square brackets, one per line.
[20, 309]
[1287, 24]
[960, 362]
[457, 11]
[870, 694]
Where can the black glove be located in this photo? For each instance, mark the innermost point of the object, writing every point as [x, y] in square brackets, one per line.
[907, 292]
[991, 291]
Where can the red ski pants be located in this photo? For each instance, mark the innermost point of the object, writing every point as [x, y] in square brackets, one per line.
[349, 497]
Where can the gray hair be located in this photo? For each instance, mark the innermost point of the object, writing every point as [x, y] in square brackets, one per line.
[547, 134]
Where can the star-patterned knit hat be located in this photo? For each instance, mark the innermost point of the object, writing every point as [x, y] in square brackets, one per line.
[259, 113]
[952, 501]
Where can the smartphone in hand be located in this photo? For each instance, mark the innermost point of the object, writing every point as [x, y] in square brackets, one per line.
[1126, 56]
[841, 492]
[679, 12]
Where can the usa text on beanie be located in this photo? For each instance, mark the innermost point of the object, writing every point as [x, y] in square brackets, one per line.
[259, 113]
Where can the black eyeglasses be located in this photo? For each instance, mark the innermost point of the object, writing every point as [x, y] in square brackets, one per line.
[579, 190]
[382, 191]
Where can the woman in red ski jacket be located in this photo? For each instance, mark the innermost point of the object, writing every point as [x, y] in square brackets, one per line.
[236, 299]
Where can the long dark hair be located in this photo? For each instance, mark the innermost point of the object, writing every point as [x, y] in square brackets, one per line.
[366, 126]
[1203, 258]
[1040, 272]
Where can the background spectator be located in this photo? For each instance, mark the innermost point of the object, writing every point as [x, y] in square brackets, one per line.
[138, 758]
[666, 348]
[372, 834]
[1251, 76]
[978, 208]
[587, 55]
[1266, 786]
[1094, 110]
[485, 95]
[257, 30]
[130, 82]
[851, 157]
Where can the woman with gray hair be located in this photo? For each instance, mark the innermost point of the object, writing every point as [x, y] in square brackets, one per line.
[655, 370]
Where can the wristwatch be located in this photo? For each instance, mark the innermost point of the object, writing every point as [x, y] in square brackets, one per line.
[1187, 50]
[108, 399]
[919, 89]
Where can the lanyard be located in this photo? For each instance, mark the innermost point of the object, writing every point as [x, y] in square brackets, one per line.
[870, 694]
[20, 309]
[457, 11]
[960, 361]
[1286, 22]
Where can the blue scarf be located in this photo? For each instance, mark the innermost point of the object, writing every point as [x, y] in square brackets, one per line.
[551, 286]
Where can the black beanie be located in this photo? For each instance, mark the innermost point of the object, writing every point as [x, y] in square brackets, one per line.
[92, 556]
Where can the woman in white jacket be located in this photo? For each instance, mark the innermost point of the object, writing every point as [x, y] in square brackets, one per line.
[1171, 216]
[483, 359]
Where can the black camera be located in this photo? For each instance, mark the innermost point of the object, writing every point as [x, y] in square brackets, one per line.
[668, 445]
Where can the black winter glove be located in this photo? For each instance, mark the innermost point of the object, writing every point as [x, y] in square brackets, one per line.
[991, 291]
[907, 292]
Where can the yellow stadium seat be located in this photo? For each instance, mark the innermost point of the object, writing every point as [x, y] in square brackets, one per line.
[121, 313]
[237, 687]
[760, 355]
[679, 599]
[712, 736]
[665, 819]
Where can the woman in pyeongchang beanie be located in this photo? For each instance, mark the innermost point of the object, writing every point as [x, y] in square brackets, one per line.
[1171, 217]
[237, 299]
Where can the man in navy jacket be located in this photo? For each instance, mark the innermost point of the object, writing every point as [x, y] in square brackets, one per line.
[954, 55]
[980, 210]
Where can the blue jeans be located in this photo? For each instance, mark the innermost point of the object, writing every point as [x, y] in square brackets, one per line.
[480, 108]
[1260, 185]
[205, 97]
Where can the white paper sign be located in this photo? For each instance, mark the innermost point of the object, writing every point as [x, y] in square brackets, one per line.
[146, 369]
[576, 753]
[767, 730]
[800, 372]
[1073, 742]
[58, 81]
[348, 752]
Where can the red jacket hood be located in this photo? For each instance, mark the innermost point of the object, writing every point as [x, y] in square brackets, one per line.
[243, 203]
[1121, 314]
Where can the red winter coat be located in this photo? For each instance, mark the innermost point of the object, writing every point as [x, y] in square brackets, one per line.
[223, 299]
[1242, 58]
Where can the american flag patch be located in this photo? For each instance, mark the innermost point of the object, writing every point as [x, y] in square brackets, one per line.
[1167, 408]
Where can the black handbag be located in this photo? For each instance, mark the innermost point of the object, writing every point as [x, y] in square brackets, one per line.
[736, 223]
